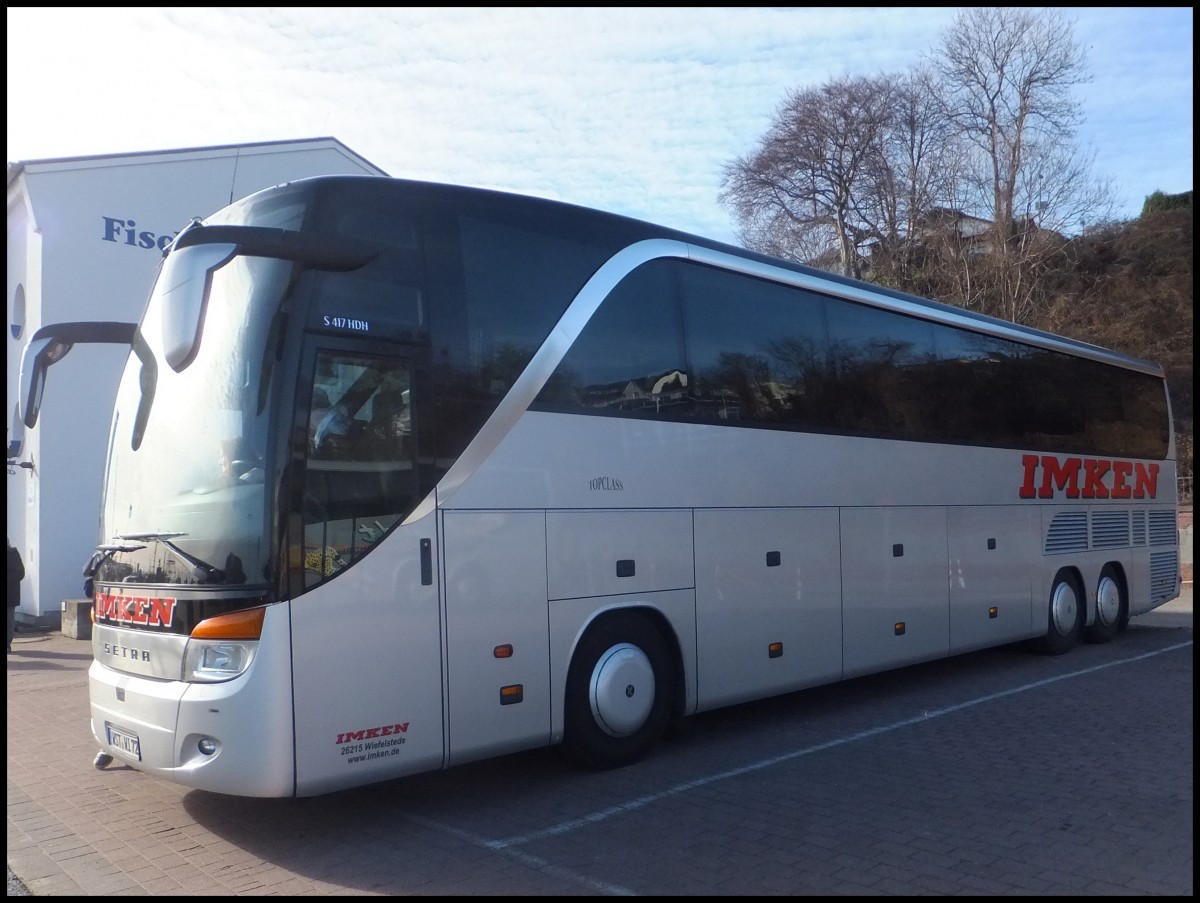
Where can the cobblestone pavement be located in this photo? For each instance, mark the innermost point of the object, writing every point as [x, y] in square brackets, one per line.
[998, 773]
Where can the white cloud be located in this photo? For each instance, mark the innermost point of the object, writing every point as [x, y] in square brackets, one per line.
[635, 110]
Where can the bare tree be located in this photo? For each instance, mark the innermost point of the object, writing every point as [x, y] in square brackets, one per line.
[848, 172]
[803, 192]
[958, 181]
[1007, 76]
[918, 168]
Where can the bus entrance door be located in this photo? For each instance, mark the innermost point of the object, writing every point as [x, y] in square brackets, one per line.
[366, 631]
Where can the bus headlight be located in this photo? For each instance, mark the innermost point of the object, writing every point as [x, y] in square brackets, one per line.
[211, 661]
[223, 647]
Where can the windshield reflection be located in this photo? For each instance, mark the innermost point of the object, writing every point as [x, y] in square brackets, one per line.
[192, 485]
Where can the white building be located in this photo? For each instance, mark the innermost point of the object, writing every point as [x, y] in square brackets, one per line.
[85, 235]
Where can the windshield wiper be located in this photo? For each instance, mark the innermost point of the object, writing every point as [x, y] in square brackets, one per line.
[102, 554]
[202, 571]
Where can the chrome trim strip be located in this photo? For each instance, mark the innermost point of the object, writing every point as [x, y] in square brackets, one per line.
[546, 359]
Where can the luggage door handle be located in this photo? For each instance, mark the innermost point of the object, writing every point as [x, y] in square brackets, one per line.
[426, 562]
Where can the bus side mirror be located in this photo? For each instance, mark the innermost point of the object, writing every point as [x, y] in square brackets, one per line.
[184, 285]
[38, 355]
[49, 345]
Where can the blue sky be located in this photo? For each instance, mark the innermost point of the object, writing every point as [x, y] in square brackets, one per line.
[633, 110]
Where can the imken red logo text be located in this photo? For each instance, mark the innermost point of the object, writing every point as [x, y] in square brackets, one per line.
[153, 611]
[1087, 478]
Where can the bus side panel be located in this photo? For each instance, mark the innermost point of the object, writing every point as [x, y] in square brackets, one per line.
[895, 601]
[1164, 579]
[368, 667]
[1153, 573]
[764, 577]
[992, 550]
[601, 553]
[496, 598]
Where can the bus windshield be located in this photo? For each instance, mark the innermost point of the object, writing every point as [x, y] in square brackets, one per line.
[187, 469]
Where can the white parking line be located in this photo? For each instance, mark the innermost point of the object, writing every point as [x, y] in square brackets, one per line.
[641, 802]
[534, 862]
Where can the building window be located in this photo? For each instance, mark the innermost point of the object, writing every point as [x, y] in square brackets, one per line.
[17, 324]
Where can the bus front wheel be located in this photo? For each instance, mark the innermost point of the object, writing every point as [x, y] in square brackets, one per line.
[1065, 615]
[1112, 607]
[619, 690]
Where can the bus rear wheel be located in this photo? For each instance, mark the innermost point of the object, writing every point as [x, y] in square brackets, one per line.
[1112, 607]
[1065, 616]
[619, 692]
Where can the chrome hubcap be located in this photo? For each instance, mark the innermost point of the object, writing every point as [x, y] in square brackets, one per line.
[1108, 602]
[1064, 609]
[622, 690]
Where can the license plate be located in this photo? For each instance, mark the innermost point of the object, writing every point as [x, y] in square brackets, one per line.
[124, 741]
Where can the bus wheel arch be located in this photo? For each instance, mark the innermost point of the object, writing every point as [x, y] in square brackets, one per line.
[1112, 605]
[1066, 612]
[622, 689]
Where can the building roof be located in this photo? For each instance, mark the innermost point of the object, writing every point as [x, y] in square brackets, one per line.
[15, 168]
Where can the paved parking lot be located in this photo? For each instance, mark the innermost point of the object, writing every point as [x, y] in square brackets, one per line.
[998, 772]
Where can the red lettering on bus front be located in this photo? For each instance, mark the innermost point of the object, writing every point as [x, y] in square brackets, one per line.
[162, 611]
[153, 611]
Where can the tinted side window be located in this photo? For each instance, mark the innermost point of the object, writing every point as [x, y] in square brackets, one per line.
[629, 358]
[758, 350]
[498, 288]
[678, 340]
[978, 391]
[1122, 412]
[882, 361]
[517, 282]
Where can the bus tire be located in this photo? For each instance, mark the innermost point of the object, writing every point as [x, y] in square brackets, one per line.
[1065, 615]
[1112, 607]
[619, 692]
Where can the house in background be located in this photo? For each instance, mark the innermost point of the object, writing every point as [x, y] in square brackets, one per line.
[85, 235]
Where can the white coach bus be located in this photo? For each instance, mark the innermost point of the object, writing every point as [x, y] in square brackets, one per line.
[405, 475]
